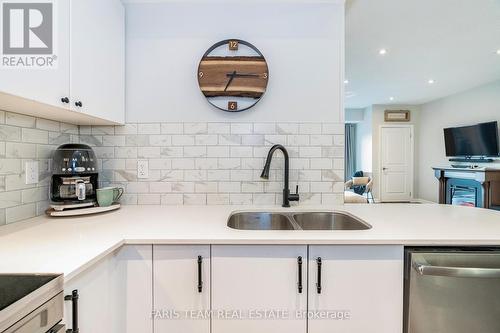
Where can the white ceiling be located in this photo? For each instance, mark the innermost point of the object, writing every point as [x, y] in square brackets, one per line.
[453, 42]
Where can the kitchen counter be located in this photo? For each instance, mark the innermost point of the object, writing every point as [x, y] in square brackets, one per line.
[70, 245]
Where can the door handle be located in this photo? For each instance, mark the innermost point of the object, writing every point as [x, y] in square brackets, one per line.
[318, 283]
[74, 309]
[424, 268]
[200, 280]
[299, 263]
[383, 169]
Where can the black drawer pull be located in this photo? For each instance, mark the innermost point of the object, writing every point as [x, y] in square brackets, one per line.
[65, 100]
[299, 262]
[200, 281]
[74, 309]
[318, 284]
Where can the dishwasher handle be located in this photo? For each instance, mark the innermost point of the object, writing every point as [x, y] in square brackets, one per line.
[424, 268]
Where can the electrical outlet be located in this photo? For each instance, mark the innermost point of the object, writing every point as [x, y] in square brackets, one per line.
[31, 170]
[142, 169]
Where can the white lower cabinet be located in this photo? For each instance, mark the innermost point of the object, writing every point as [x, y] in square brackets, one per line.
[362, 284]
[253, 285]
[115, 295]
[181, 282]
[242, 288]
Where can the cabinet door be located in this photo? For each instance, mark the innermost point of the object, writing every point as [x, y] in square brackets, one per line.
[249, 280]
[362, 286]
[115, 294]
[98, 58]
[181, 281]
[47, 85]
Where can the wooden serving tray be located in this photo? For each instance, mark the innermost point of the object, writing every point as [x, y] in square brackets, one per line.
[81, 211]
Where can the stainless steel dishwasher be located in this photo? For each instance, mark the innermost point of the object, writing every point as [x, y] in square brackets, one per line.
[452, 290]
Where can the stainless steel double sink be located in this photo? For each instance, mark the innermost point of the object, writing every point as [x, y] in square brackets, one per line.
[296, 221]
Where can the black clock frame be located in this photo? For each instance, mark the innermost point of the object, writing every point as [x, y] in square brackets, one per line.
[226, 41]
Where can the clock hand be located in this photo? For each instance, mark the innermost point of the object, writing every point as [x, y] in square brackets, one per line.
[231, 75]
[235, 74]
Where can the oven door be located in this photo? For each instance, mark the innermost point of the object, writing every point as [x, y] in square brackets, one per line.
[452, 292]
[58, 329]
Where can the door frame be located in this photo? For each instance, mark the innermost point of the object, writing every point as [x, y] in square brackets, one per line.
[412, 157]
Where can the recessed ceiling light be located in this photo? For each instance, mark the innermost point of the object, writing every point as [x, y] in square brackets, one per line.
[431, 81]
[346, 81]
[391, 98]
[382, 51]
[498, 51]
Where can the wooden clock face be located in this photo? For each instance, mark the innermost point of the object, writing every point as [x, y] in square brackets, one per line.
[233, 75]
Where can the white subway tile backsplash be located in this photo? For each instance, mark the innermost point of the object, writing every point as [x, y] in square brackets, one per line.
[172, 199]
[183, 140]
[310, 128]
[18, 213]
[48, 125]
[20, 120]
[10, 133]
[217, 199]
[193, 163]
[264, 128]
[195, 128]
[31, 135]
[149, 128]
[218, 128]
[195, 199]
[127, 129]
[20, 150]
[148, 199]
[172, 128]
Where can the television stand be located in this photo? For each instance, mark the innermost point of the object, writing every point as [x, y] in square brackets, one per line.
[471, 160]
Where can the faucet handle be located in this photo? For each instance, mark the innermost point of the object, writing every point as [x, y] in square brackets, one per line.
[295, 196]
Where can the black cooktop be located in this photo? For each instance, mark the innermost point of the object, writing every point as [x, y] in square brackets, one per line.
[13, 287]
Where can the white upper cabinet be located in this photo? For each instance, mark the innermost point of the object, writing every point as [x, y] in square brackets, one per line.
[86, 84]
[361, 285]
[46, 84]
[98, 58]
[181, 281]
[257, 288]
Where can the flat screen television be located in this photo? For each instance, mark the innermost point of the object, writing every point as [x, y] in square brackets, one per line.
[476, 140]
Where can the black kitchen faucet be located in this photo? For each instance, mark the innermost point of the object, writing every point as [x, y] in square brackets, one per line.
[287, 197]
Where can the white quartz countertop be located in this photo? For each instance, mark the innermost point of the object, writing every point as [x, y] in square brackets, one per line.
[70, 245]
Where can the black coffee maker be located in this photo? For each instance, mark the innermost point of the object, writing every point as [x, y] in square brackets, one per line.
[74, 177]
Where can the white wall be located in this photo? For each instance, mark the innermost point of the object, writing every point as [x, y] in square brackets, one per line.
[302, 43]
[377, 121]
[481, 104]
[364, 142]
[354, 115]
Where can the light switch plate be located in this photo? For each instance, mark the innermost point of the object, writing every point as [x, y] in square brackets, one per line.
[31, 170]
[142, 169]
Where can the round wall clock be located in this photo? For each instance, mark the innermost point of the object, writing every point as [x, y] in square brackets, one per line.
[233, 75]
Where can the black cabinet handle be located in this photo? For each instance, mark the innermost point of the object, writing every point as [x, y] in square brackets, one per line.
[299, 263]
[318, 284]
[200, 281]
[65, 100]
[79, 104]
[74, 309]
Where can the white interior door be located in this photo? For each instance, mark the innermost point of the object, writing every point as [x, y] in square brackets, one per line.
[396, 163]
